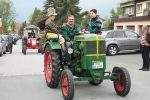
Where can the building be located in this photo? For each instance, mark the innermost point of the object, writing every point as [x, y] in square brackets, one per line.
[137, 13]
[18, 26]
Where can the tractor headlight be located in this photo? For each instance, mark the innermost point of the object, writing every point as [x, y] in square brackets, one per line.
[70, 51]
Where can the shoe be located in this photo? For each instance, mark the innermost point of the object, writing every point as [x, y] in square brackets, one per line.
[146, 69]
[141, 68]
[43, 70]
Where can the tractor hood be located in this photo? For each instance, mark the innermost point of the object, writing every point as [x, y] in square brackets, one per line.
[89, 37]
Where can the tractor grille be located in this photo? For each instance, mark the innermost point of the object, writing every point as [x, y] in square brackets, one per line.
[92, 47]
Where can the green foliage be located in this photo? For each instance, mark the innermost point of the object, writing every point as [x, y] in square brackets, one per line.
[13, 26]
[35, 17]
[7, 13]
[85, 20]
[24, 24]
[144, 10]
[65, 8]
[109, 25]
[43, 38]
[120, 11]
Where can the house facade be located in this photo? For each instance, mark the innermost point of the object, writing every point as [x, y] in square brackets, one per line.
[1, 27]
[137, 14]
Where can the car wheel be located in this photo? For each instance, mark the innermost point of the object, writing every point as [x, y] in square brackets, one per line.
[112, 50]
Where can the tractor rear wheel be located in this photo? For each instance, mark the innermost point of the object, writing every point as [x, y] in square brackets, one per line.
[52, 66]
[122, 86]
[24, 49]
[67, 84]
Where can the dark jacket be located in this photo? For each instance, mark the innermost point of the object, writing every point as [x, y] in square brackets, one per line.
[69, 33]
[94, 25]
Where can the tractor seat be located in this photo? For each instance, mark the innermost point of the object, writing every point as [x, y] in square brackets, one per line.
[51, 36]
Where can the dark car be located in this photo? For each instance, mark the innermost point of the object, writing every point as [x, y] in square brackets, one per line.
[5, 38]
[118, 40]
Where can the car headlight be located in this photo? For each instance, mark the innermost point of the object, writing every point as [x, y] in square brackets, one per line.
[70, 51]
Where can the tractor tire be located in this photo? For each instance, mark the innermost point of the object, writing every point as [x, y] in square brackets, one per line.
[4, 52]
[52, 67]
[7, 49]
[24, 49]
[1, 53]
[112, 50]
[42, 52]
[122, 86]
[39, 51]
[67, 84]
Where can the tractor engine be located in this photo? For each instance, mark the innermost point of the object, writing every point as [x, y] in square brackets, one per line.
[89, 53]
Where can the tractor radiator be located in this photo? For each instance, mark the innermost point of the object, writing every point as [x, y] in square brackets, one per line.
[91, 47]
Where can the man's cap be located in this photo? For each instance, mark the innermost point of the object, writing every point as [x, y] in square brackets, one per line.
[51, 13]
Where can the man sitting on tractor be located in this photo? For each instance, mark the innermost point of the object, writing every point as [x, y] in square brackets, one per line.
[94, 25]
[51, 27]
[69, 31]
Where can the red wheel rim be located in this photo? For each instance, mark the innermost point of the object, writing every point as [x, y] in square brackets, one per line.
[48, 66]
[120, 84]
[65, 85]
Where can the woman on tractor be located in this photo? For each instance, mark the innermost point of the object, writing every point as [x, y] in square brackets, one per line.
[94, 25]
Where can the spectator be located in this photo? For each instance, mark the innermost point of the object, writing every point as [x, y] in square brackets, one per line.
[10, 43]
[145, 43]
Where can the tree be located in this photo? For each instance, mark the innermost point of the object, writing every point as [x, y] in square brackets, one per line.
[35, 17]
[109, 25]
[7, 13]
[24, 24]
[85, 21]
[13, 26]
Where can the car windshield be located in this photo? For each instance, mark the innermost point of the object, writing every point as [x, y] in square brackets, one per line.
[5, 37]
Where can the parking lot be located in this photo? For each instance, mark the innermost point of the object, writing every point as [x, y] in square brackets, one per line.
[22, 78]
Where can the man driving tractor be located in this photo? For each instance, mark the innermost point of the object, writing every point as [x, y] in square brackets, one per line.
[69, 31]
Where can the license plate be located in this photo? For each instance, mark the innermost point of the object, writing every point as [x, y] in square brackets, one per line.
[33, 42]
[97, 64]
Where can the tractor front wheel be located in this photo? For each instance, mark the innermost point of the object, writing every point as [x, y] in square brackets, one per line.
[24, 49]
[122, 86]
[67, 84]
[52, 67]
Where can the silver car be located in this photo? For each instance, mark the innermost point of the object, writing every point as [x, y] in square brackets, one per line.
[5, 38]
[118, 40]
[2, 46]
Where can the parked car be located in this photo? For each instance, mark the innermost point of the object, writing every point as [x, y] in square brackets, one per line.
[2, 46]
[5, 38]
[118, 40]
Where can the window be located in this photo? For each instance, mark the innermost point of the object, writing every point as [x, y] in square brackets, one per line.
[139, 8]
[129, 10]
[110, 35]
[131, 34]
[148, 6]
[119, 34]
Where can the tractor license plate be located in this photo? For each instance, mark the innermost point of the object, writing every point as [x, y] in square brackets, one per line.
[33, 42]
[97, 64]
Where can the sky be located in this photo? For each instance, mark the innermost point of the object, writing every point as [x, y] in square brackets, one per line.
[26, 7]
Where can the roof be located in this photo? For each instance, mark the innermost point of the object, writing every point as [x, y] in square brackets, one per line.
[126, 1]
[101, 18]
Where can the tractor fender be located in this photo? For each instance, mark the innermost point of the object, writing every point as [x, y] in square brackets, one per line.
[114, 69]
[53, 45]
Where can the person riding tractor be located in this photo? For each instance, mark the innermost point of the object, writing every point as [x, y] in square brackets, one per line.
[69, 31]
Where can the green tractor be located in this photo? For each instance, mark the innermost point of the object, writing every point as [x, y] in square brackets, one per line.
[88, 63]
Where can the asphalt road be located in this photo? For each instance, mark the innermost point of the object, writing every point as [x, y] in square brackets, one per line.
[21, 78]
